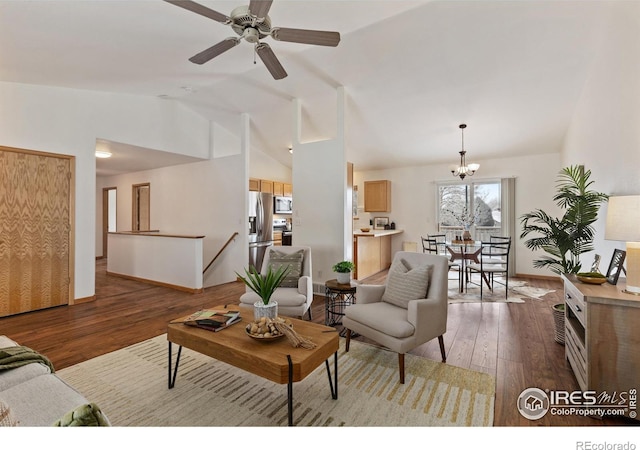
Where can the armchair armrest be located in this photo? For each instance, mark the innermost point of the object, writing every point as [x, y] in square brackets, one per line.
[428, 316]
[305, 286]
[369, 293]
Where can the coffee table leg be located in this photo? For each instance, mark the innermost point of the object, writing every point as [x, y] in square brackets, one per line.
[333, 385]
[172, 381]
[290, 391]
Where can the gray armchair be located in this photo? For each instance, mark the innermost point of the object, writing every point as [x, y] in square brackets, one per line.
[408, 310]
[295, 295]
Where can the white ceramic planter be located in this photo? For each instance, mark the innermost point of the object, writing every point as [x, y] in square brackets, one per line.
[343, 277]
[270, 310]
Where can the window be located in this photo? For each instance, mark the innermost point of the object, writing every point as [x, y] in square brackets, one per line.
[472, 206]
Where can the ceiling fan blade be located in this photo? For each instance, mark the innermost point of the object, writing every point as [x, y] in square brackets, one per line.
[260, 8]
[199, 9]
[314, 37]
[269, 59]
[214, 51]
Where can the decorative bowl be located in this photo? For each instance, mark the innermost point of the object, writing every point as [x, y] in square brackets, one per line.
[259, 337]
[264, 326]
[592, 280]
[365, 230]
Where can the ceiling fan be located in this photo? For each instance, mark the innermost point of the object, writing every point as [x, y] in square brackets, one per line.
[252, 24]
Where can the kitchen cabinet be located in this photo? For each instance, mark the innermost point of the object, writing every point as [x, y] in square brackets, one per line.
[372, 252]
[266, 186]
[277, 237]
[287, 190]
[377, 196]
[254, 184]
[278, 188]
[602, 336]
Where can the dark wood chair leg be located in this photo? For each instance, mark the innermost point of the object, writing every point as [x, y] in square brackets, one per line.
[401, 366]
[441, 342]
[347, 340]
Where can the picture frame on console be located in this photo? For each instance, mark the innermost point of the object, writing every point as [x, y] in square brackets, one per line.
[379, 223]
[615, 266]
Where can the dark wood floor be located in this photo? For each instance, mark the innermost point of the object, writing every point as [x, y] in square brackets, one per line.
[511, 341]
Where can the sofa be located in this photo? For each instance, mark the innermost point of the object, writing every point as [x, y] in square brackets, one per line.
[32, 395]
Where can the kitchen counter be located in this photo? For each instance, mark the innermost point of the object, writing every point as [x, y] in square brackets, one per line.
[372, 251]
[377, 233]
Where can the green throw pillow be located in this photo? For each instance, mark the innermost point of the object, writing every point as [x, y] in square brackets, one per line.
[88, 415]
[293, 260]
[405, 283]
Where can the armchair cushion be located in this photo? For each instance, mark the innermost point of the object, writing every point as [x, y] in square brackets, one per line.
[294, 260]
[405, 283]
[383, 317]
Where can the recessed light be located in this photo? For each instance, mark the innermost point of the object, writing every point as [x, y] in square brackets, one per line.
[103, 154]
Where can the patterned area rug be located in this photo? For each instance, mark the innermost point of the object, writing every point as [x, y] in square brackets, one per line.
[519, 291]
[130, 386]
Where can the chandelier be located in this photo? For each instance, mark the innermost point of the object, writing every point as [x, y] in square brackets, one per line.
[463, 169]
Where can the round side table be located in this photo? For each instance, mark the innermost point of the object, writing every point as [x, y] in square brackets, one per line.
[337, 298]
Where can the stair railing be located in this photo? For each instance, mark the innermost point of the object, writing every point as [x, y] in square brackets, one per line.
[233, 236]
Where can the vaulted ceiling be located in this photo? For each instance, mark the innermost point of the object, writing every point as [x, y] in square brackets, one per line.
[412, 70]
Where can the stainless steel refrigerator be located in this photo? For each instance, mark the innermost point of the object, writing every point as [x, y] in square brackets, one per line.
[260, 226]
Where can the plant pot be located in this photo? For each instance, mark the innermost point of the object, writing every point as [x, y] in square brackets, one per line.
[558, 319]
[343, 277]
[270, 310]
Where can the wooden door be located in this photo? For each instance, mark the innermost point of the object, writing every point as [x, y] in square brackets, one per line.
[35, 230]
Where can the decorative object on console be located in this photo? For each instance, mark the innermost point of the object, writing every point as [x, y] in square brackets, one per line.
[464, 170]
[264, 286]
[623, 224]
[615, 266]
[343, 270]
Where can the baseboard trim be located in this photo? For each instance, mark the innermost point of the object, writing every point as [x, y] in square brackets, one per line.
[158, 283]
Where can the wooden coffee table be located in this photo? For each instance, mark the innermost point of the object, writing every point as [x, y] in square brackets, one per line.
[276, 360]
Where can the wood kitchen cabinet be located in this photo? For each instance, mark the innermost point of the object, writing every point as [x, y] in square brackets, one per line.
[602, 336]
[254, 184]
[266, 186]
[287, 190]
[278, 188]
[377, 196]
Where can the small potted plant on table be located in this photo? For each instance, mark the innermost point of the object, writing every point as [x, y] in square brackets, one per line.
[264, 286]
[343, 270]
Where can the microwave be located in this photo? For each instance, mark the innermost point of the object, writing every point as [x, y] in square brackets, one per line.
[282, 205]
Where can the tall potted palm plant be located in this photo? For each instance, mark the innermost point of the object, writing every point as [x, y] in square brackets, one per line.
[565, 238]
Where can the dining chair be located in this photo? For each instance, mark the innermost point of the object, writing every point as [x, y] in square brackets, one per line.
[494, 260]
[431, 244]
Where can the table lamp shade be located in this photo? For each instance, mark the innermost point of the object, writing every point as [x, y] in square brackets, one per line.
[623, 224]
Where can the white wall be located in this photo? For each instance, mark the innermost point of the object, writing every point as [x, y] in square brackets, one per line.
[605, 133]
[413, 197]
[321, 213]
[68, 121]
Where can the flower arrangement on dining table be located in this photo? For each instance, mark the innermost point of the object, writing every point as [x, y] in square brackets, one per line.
[464, 218]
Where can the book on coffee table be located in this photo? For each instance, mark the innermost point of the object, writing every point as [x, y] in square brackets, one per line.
[213, 319]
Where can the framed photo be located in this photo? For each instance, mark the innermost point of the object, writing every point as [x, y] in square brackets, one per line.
[615, 266]
[380, 222]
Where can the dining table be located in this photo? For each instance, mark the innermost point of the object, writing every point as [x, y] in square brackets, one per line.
[463, 251]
